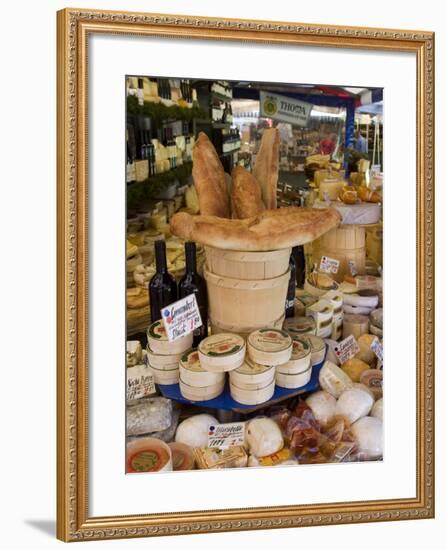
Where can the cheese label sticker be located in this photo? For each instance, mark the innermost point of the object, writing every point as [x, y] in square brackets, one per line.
[352, 268]
[222, 436]
[377, 348]
[181, 317]
[140, 382]
[346, 349]
[329, 265]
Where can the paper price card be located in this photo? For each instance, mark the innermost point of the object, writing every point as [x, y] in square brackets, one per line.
[140, 382]
[329, 265]
[352, 268]
[346, 349]
[181, 317]
[377, 348]
[222, 436]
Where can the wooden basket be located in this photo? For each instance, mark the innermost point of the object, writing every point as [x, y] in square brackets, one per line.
[217, 328]
[248, 265]
[246, 303]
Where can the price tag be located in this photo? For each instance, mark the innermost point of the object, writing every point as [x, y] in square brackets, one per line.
[329, 265]
[352, 268]
[377, 348]
[181, 317]
[140, 382]
[346, 349]
[222, 436]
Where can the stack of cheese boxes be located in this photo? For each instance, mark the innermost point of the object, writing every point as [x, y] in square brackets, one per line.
[328, 315]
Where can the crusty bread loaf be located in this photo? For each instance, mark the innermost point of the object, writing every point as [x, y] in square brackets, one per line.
[266, 168]
[246, 195]
[209, 179]
[269, 230]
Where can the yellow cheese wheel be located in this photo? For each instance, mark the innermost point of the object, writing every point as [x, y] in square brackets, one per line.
[354, 367]
[365, 353]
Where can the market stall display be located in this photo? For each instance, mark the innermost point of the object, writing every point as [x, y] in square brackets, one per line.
[251, 387]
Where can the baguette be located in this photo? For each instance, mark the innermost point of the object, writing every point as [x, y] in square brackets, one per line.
[209, 179]
[270, 230]
[246, 195]
[266, 168]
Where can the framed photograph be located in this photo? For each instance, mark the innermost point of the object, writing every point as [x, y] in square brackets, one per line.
[245, 275]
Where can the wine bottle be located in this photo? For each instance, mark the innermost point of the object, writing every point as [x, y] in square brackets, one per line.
[193, 283]
[162, 286]
[291, 294]
[299, 257]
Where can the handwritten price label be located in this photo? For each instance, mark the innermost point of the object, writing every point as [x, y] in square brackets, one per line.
[329, 265]
[222, 436]
[377, 348]
[140, 382]
[346, 349]
[181, 317]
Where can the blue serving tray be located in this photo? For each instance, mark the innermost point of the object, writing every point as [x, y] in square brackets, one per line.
[226, 402]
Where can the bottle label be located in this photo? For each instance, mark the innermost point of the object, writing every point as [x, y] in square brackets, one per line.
[181, 317]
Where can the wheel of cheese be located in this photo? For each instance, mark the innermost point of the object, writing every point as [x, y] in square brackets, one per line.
[361, 301]
[377, 409]
[300, 359]
[368, 434]
[252, 373]
[354, 367]
[317, 348]
[148, 454]
[293, 381]
[165, 377]
[365, 352]
[299, 325]
[222, 352]
[375, 330]
[205, 393]
[376, 318]
[158, 342]
[270, 346]
[323, 405]
[333, 380]
[353, 404]
[192, 373]
[252, 397]
[373, 379]
[162, 362]
[194, 430]
[263, 437]
[354, 324]
[182, 456]
[356, 310]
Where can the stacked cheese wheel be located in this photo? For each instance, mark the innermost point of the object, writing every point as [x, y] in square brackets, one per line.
[297, 371]
[164, 356]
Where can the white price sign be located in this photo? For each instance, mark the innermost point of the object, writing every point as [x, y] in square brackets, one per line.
[352, 268]
[222, 436]
[346, 349]
[181, 317]
[140, 382]
[329, 265]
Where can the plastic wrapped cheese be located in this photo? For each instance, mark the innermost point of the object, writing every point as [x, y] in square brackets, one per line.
[323, 406]
[333, 380]
[377, 410]
[194, 430]
[368, 434]
[365, 353]
[263, 436]
[354, 367]
[353, 404]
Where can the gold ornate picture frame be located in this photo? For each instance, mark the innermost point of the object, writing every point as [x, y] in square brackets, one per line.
[74, 522]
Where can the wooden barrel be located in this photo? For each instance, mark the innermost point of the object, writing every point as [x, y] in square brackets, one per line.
[347, 245]
[246, 303]
[247, 265]
[374, 244]
[244, 331]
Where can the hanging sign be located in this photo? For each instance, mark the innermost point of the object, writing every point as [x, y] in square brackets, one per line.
[285, 109]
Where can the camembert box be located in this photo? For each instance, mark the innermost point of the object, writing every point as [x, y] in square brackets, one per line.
[252, 374]
[194, 393]
[222, 352]
[317, 348]
[162, 362]
[254, 396]
[293, 381]
[300, 325]
[269, 346]
[192, 372]
[300, 357]
[158, 342]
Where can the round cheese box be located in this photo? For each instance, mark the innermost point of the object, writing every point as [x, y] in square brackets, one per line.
[300, 357]
[162, 362]
[164, 376]
[192, 372]
[158, 342]
[317, 348]
[251, 373]
[222, 352]
[252, 397]
[293, 381]
[270, 346]
[300, 325]
[194, 393]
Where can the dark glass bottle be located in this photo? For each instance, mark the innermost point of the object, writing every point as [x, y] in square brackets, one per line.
[289, 303]
[193, 283]
[162, 287]
[299, 257]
